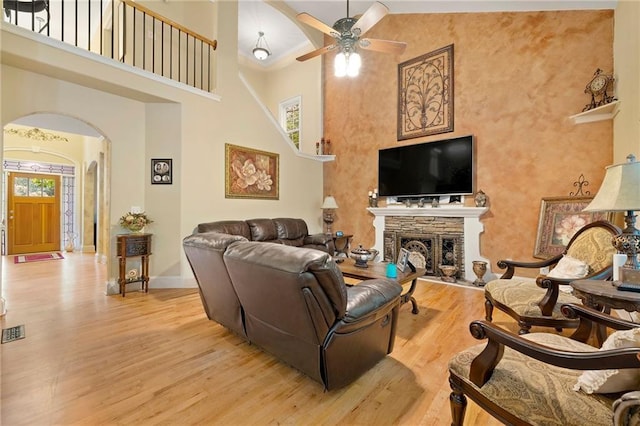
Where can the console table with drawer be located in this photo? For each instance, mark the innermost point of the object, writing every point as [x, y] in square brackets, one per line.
[133, 246]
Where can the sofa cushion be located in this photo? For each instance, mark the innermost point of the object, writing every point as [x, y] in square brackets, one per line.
[263, 230]
[233, 227]
[609, 381]
[291, 229]
[298, 242]
[538, 393]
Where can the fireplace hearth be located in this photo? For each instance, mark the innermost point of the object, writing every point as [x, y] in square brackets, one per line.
[434, 236]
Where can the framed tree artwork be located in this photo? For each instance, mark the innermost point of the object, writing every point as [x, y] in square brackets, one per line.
[425, 94]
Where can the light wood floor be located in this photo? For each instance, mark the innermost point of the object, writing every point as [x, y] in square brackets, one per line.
[154, 358]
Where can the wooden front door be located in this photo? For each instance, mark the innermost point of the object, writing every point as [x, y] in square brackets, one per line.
[33, 213]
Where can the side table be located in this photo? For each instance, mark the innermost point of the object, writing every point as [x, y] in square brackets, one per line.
[132, 246]
[604, 296]
[342, 244]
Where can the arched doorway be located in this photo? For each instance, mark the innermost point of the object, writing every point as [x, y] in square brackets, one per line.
[59, 145]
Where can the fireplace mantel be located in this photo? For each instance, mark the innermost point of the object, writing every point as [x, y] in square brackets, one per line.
[448, 211]
[472, 228]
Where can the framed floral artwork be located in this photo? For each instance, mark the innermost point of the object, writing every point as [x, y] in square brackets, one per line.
[425, 94]
[560, 219]
[250, 173]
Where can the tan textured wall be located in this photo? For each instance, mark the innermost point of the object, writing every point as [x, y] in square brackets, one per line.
[626, 130]
[518, 77]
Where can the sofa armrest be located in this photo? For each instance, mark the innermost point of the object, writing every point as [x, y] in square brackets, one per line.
[369, 297]
[319, 239]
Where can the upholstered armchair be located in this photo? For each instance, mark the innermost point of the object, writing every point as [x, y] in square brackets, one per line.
[588, 255]
[550, 379]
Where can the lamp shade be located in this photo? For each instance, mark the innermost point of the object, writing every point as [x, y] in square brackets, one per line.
[620, 189]
[329, 203]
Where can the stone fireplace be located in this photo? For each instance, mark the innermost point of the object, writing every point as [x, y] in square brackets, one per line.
[443, 235]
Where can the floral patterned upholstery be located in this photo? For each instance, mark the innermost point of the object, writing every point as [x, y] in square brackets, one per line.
[538, 393]
[523, 297]
[593, 247]
[537, 303]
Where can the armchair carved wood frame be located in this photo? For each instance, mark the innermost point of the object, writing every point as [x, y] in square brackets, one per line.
[531, 380]
[537, 304]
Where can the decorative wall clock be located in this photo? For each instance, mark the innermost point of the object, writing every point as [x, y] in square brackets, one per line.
[599, 88]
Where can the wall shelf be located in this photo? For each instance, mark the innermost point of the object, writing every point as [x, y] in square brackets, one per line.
[321, 158]
[604, 112]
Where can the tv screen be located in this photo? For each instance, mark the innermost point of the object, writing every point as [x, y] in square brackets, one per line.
[444, 167]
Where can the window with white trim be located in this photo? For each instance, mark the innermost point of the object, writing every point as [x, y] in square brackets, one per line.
[290, 118]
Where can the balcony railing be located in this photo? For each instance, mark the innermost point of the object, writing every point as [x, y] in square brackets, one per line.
[124, 31]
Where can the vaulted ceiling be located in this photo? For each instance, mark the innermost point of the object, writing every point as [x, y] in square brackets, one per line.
[286, 40]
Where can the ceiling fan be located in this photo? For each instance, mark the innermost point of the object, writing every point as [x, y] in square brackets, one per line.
[348, 33]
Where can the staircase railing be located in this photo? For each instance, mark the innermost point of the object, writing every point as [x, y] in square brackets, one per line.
[122, 30]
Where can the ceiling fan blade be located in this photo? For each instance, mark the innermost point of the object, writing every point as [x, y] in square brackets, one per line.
[386, 46]
[305, 18]
[375, 13]
[316, 52]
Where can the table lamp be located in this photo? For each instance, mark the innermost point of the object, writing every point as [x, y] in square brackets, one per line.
[620, 191]
[328, 206]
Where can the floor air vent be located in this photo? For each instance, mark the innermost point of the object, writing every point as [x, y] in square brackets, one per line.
[12, 333]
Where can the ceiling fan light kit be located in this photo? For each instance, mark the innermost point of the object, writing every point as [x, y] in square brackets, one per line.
[347, 64]
[261, 51]
[347, 33]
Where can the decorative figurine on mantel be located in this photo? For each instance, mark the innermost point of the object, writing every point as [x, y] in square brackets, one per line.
[480, 199]
[598, 88]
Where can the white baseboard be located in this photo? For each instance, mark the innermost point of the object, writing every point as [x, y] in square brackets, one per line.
[172, 282]
[112, 286]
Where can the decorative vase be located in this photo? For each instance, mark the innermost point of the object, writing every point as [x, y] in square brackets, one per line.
[362, 256]
[479, 268]
[480, 199]
[448, 273]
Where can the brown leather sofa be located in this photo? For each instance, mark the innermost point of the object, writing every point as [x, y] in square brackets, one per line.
[287, 231]
[293, 303]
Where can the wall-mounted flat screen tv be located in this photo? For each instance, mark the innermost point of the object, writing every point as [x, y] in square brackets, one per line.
[444, 167]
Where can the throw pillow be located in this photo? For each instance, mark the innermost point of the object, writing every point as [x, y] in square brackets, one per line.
[610, 381]
[569, 267]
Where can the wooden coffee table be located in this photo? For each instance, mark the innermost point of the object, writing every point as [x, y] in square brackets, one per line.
[379, 270]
